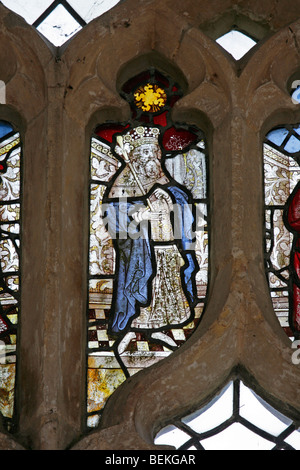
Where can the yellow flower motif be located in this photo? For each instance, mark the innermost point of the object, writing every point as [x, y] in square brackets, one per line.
[150, 98]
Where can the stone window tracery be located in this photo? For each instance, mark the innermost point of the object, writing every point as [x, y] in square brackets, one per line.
[65, 95]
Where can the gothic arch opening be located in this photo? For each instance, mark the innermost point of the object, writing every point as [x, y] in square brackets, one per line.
[149, 265]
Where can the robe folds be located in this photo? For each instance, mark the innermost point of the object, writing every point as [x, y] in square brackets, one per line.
[135, 259]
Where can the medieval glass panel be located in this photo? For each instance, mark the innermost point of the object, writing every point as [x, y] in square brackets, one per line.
[149, 238]
[282, 224]
[10, 205]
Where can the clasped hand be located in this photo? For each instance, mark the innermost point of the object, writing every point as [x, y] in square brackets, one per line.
[145, 213]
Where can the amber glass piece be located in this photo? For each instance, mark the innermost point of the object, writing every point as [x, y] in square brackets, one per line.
[150, 98]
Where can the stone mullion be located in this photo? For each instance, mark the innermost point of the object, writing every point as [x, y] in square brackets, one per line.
[41, 376]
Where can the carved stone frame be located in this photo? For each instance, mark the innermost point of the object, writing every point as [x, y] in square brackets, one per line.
[55, 98]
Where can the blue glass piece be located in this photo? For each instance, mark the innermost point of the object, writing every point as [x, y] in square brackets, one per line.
[277, 136]
[292, 145]
[297, 129]
[5, 128]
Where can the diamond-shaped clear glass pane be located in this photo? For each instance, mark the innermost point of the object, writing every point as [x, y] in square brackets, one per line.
[259, 413]
[294, 439]
[236, 437]
[29, 10]
[90, 9]
[59, 26]
[236, 43]
[171, 435]
[218, 411]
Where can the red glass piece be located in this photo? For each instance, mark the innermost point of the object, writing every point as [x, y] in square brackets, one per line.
[177, 139]
[294, 212]
[293, 216]
[107, 132]
[136, 81]
[173, 100]
[296, 306]
[3, 325]
[297, 259]
[144, 119]
[161, 80]
[160, 119]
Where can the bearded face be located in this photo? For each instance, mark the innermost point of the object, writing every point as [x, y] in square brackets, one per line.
[146, 160]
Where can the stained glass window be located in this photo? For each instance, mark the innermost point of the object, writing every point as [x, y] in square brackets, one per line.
[236, 419]
[282, 223]
[10, 200]
[149, 238]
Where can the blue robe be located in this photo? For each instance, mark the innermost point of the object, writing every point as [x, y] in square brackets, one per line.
[135, 261]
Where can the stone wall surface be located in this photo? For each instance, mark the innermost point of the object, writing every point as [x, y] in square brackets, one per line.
[55, 97]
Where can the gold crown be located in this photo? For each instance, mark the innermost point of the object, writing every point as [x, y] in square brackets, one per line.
[141, 135]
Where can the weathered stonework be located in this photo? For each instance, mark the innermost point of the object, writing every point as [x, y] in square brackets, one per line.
[55, 98]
